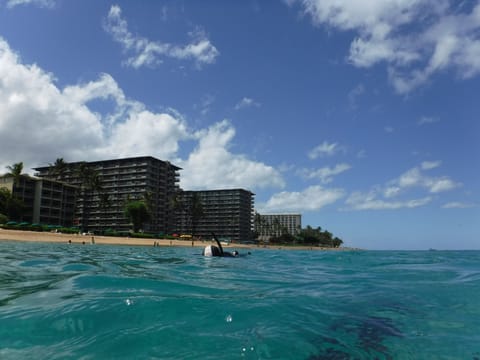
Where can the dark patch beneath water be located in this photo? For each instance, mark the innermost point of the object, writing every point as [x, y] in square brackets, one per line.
[370, 333]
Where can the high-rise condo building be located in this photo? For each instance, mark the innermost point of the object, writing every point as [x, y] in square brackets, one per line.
[105, 187]
[270, 225]
[45, 201]
[227, 213]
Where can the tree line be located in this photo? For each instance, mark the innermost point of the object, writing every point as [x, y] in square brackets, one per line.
[11, 207]
[278, 234]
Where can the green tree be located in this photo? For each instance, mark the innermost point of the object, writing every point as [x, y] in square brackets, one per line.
[276, 227]
[10, 205]
[195, 211]
[15, 171]
[258, 225]
[318, 237]
[58, 169]
[5, 194]
[337, 242]
[137, 212]
[90, 183]
[149, 201]
[105, 204]
[176, 203]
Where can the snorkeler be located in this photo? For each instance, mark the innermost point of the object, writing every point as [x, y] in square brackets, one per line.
[212, 250]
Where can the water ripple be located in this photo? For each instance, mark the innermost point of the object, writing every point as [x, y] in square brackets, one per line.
[90, 302]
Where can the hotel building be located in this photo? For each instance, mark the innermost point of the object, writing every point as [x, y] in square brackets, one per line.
[45, 201]
[271, 225]
[227, 213]
[122, 180]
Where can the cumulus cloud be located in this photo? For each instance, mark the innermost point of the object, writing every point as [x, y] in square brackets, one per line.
[38, 118]
[311, 199]
[145, 52]
[325, 149]
[415, 38]
[212, 164]
[387, 197]
[41, 122]
[246, 103]
[325, 174]
[44, 122]
[416, 177]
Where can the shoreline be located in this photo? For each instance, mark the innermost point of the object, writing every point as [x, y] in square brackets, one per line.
[51, 237]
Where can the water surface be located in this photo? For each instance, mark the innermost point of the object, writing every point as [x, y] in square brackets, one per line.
[122, 302]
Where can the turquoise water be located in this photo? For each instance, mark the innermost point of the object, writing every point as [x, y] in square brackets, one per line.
[117, 302]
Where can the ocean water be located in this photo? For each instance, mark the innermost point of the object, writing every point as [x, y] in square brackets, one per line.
[60, 301]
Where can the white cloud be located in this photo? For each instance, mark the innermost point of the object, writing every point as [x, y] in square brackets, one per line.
[38, 118]
[386, 197]
[426, 120]
[149, 53]
[370, 201]
[246, 103]
[440, 184]
[415, 177]
[391, 191]
[206, 102]
[39, 3]
[143, 132]
[44, 122]
[325, 174]
[428, 165]
[415, 38]
[311, 199]
[211, 165]
[325, 149]
[41, 122]
[457, 205]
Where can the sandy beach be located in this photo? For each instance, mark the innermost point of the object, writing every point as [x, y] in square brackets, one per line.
[18, 235]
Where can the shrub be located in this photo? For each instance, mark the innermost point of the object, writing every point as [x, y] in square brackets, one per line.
[3, 219]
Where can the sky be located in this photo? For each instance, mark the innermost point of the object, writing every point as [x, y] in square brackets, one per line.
[361, 115]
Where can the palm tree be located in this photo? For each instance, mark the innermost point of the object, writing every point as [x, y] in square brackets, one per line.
[10, 206]
[258, 225]
[15, 171]
[58, 169]
[195, 211]
[90, 183]
[276, 227]
[148, 199]
[105, 204]
[177, 208]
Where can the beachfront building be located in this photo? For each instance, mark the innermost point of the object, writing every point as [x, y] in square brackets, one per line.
[45, 201]
[106, 186]
[228, 213]
[274, 225]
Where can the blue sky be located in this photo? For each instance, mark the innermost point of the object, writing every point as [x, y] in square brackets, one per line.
[363, 116]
